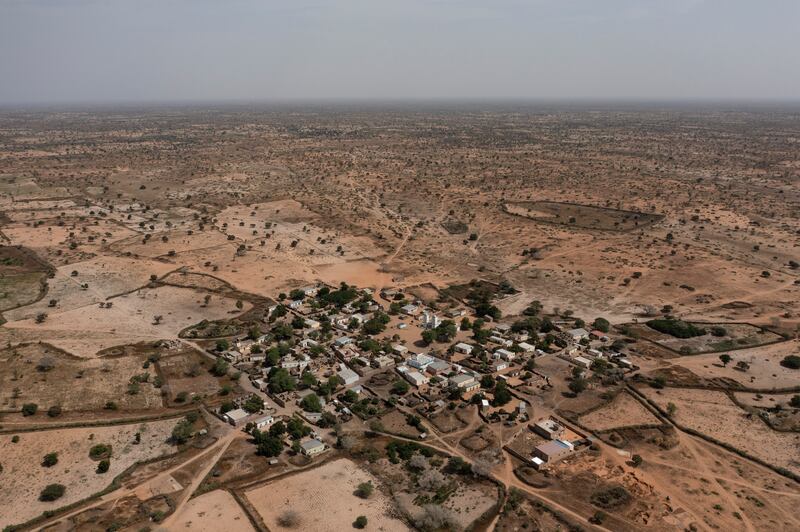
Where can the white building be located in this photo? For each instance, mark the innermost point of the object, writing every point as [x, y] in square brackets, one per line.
[234, 417]
[419, 361]
[461, 347]
[505, 354]
[430, 320]
[347, 375]
[263, 422]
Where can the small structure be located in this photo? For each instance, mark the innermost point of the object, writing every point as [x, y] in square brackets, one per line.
[461, 347]
[400, 349]
[549, 428]
[462, 380]
[582, 362]
[420, 361]
[430, 320]
[312, 447]
[505, 354]
[263, 422]
[382, 361]
[553, 451]
[578, 334]
[343, 341]
[234, 417]
[347, 375]
[410, 309]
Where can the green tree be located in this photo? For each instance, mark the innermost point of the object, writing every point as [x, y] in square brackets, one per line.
[182, 431]
[220, 368]
[725, 359]
[360, 522]
[601, 324]
[103, 466]
[400, 387]
[364, 490]
[51, 492]
[311, 403]
[50, 459]
[577, 385]
[29, 409]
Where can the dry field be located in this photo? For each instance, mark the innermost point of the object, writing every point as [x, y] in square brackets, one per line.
[100, 380]
[712, 413]
[623, 411]
[323, 499]
[24, 477]
[210, 512]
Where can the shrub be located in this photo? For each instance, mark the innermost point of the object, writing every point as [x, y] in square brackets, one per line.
[791, 362]
[611, 497]
[50, 459]
[364, 490]
[100, 451]
[52, 492]
[182, 432]
[29, 409]
[360, 522]
[54, 411]
[676, 328]
[103, 466]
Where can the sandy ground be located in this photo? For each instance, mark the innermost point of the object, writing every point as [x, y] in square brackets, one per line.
[623, 411]
[324, 499]
[210, 512]
[106, 276]
[132, 314]
[23, 477]
[764, 400]
[713, 414]
[765, 369]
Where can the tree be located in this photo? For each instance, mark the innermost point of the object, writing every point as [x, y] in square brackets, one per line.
[103, 466]
[794, 402]
[577, 385]
[636, 460]
[364, 490]
[601, 324]
[280, 380]
[253, 404]
[223, 345]
[40, 317]
[51, 492]
[100, 451]
[54, 411]
[311, 403]
[157, 319]
[29, 409]
[428, 336]
[50, 459]
[791, 362]
[671, 409]
[501, 394]
[220, 368]
[182, 432]
[725, 359]
[400, 387]
[360, 522]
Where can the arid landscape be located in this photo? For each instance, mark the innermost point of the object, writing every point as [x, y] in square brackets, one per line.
[390, 317]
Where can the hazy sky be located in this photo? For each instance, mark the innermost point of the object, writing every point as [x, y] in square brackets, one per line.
[54, 51]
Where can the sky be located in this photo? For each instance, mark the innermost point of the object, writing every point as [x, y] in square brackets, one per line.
[101, 51]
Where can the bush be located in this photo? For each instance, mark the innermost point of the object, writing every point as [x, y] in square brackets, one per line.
[100, 451]
[182, 432]
[50, 459]
[364, 490]
[360, 522]
[311, 403]
[611, 497]
[791, 362]
[52, 492]
[54, 411]
[103, 466]
[676, 328]
[29, 409]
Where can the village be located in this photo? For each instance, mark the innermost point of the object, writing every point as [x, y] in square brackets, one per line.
[325, 355]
